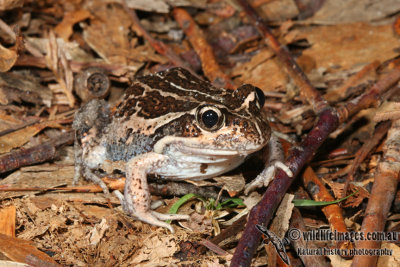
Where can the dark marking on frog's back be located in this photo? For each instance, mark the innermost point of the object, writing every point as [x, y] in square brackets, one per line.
[174, 79]
[151, 105]
[183, 91]
[182, 127]
[154, 105]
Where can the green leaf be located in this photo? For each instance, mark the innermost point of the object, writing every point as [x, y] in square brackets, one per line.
[181, 201]
[310, 203]
[230, 203]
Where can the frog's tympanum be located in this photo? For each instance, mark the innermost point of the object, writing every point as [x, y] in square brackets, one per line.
[170, 124]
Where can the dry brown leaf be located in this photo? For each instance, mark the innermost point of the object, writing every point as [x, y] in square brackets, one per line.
[8, 57]
[261, 71]
[19, 138]
[163, 6]
[278, 10]
[198, 223]
[338, 261]
[394, 259]
[8, 121]
[114, 23]
[233, 184]
[64, 29]
[348, 44]
[358, 198]
[157, 249]
[17, 87]
[337, 188]
[279, 226]
[10, 4]
[345, 11]
[97, 233]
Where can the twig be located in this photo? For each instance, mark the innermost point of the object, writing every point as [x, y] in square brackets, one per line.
[309, 260]
[370, 98]
[196, 37]
[363, 152]
[160, 47]
[333, 213]
[37, 154]
[307, 91]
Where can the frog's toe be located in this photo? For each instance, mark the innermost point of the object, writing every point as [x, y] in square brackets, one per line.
[165, 217]
[148, 216]
[152, 218]
[104, 187]
[89, 175]
[266, 176]
[120, 196]
[281, 165]
[258, 181]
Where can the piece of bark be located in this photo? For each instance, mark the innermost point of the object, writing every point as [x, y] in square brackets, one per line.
[23, 251]
[7, 220]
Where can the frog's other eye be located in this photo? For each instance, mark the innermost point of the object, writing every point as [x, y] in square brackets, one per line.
[260, 97]
[210, 118]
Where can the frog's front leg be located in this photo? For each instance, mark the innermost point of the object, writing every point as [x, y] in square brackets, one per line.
[136, 200]
[275, 159]
[81, 168]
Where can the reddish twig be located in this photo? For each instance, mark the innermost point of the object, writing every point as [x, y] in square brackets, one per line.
[371, 97]
[160, 47]
[344, 91]
[196, 37]
[333, 213]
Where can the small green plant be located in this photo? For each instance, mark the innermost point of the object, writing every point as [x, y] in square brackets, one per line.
[209, 204]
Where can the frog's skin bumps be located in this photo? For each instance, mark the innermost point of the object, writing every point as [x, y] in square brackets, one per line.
[170, 124]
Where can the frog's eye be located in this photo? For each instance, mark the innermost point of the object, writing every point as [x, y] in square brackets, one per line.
[260, 97]
[210, 118]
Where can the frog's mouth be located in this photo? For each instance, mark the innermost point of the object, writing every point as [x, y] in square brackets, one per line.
[192, 147]
[203, 151]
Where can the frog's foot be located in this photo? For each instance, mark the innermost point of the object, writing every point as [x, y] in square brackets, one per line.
[149, 216]
[266, 176]
[89, 175]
